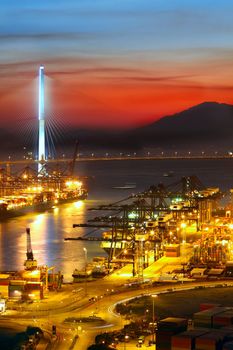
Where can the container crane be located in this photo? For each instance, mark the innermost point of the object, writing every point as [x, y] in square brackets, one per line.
[72, 164]
[30, 263]
[142, 222]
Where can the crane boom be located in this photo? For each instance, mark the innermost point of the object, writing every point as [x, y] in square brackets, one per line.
[72, 164]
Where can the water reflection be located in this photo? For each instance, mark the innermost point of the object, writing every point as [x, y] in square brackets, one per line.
[48, 231]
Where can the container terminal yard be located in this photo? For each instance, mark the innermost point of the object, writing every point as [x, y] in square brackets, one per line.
[165, 238]
[162, 222]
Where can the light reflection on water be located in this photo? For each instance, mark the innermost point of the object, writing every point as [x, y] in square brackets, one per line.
[49, 229]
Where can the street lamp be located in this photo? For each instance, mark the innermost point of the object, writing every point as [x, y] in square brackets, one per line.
[153, 314]
[85, 254]
[183, 226]
[126, 338]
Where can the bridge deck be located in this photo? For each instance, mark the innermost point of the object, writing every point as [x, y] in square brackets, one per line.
[117, 158]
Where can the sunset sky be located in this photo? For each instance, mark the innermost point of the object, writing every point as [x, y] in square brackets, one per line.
[114, 63]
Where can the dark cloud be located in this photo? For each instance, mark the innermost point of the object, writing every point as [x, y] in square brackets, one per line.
[46, 36]
[152, 79]
[95, 70]
[29, 66]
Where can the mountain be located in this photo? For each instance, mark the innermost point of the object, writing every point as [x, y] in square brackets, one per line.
[209, 124]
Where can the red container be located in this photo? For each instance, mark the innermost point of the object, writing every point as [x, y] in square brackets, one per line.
[186, 340]
[223, 319]
[207, 306]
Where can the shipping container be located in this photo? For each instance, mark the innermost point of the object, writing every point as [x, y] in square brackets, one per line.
[172, 250]
[17, 282]
[205, 318]
[186, 340]
[172, 323]
[167, 328]
[4, 282]
[211, 341]
[4, 291]
[223, 319]
[4, 276]
[207, 306]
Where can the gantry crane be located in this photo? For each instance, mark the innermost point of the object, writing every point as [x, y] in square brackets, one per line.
[135, 223]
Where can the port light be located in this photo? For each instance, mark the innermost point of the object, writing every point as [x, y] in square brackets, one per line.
[35, 189]
[73, 184]
[35, 273]
[177, 200]
[17, 292]
[31, 295]
[2, 305]
[132, 215]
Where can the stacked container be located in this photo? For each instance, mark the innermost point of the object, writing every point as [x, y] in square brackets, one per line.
[205, 318]
[167, 328]
[4, 285]
[213, 340]
[223, 319]
[186, 340]
[207, 306]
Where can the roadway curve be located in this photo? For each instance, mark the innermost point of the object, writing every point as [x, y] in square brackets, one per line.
[103, 307]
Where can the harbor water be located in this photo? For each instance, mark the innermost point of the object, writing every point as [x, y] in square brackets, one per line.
[49, 229]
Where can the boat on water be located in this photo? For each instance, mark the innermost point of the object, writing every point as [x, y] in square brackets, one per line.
[127, 186]
[96, 269]
[84, 273]
[168, 174]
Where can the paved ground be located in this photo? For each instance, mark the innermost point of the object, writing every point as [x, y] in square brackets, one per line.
[73, 301]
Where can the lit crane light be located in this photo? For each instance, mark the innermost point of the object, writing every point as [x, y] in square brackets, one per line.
[35, 189]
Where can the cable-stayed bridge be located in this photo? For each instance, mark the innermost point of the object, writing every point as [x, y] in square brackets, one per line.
[109, 158]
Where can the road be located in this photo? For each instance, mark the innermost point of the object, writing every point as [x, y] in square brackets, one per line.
[73, 302]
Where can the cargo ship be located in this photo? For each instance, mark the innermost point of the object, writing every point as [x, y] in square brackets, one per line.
[27, 194]
[98, 268]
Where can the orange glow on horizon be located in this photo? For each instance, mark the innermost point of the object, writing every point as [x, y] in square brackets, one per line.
[112, 103]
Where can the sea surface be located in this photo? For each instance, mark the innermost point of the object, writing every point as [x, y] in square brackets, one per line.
[49, 229]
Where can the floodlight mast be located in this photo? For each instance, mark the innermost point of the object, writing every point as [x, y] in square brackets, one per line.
[41, 117]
